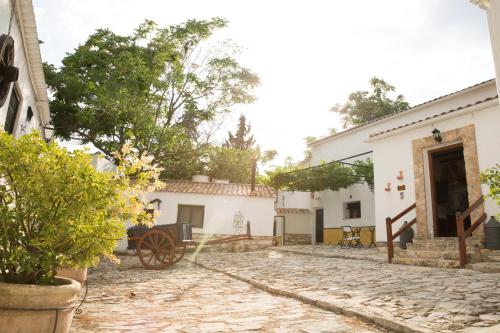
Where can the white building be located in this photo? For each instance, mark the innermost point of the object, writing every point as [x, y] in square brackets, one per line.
[215, 207]
[294, 218]
[427, 158]
[23, 93]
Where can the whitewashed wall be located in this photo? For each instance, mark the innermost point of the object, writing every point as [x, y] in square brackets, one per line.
[220, 211]
[354, 142]
[23, 85]
[333, 205]
[299, 223]
[394, 153]
[294, 199]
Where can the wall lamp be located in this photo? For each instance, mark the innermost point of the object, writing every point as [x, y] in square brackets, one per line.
[437, 135]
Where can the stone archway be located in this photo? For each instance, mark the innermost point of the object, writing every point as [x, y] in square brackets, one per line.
[466, 136]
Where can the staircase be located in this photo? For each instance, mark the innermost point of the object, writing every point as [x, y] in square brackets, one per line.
[444, 253]
[438, 252]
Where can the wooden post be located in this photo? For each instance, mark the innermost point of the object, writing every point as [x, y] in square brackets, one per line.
[461, 240]
[390, 245]
[248, 229]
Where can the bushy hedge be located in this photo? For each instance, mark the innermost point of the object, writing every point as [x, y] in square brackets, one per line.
[56, 209]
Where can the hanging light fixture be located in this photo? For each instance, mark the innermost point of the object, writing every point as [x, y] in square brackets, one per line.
[437, 135]
[48, 133]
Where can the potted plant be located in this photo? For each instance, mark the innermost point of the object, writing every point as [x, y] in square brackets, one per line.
[56, 211]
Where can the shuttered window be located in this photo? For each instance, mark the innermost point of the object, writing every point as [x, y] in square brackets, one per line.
[10, 120]
[193, 215]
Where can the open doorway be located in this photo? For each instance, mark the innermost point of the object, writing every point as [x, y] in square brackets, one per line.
[319, 225]
[448, 188]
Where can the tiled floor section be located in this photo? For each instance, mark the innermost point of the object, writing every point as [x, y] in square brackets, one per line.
[421, 298]
[127, 298]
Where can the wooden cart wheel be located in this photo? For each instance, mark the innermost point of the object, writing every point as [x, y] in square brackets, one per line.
[179, 252]
[156, 250]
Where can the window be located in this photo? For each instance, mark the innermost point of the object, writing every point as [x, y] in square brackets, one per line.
[352, 210]
[10, 120]
[191, 214]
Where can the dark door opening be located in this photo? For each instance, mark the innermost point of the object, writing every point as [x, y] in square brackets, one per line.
[319, 225]
[448, 189]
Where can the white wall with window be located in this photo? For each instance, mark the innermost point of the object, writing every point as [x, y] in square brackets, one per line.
[215, 214]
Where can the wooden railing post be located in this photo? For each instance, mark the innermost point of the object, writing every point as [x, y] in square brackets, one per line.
[461, 239]
[390, 245]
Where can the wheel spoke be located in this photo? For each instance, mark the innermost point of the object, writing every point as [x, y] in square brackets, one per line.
[146, 240]
[151, 255]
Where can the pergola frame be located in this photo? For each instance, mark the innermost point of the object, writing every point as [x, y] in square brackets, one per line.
[321, 168]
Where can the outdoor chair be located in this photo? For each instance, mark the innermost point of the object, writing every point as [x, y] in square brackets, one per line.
[350, 237]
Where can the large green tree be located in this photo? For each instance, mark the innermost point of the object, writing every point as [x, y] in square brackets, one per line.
[159, 88]
[364, 106]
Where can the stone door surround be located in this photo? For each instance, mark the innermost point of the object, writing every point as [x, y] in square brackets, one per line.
[465, 135]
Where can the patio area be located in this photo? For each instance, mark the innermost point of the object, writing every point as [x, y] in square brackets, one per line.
[184, 298]
[397, 297]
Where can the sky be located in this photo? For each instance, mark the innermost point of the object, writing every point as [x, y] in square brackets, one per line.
[309, 54]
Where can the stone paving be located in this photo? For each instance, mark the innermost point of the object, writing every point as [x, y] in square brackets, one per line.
[335, 251]
[402, 298]
[184, 298]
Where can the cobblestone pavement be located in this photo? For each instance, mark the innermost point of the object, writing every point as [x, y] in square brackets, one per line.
[335, 251]
[399, 297]
[127, 298]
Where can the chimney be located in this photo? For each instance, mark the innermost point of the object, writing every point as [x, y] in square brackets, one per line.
[254, 169]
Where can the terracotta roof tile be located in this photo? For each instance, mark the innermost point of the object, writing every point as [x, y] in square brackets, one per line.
[326, 138]
[292, 211]
[186, 186]
[432, 117]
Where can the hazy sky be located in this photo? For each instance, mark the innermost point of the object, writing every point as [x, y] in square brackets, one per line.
[309, 54]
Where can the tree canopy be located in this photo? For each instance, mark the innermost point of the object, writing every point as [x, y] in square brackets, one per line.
[160, 88]
[364, 106]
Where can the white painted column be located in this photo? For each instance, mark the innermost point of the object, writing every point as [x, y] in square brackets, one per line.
[492, 8]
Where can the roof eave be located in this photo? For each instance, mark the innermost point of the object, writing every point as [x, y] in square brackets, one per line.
[402, 113]
[425, 122]
[25, 16]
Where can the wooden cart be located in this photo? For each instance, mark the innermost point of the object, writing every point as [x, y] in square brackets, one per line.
[162, 246]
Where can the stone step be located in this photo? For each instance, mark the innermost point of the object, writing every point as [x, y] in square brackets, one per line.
[485, 267]
[425, 254]
[447, 240]
[442, 263]
[491, 255]
[436, 247]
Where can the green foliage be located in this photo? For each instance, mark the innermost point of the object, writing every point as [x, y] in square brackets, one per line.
[333, 176]
[242, 139]
[235, 164]
[364, 106]
[491, 177]
[57, 210]
[159, 89]
[231, 163]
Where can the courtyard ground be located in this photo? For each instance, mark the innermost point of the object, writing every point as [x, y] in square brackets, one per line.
[293, 289]
[398, 297]
[184, 298]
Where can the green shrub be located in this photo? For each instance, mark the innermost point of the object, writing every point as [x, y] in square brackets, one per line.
[57, 210]
[491, 177]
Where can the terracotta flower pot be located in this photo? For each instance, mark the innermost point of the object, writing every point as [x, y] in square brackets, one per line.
[28, 308]
[78, 274]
